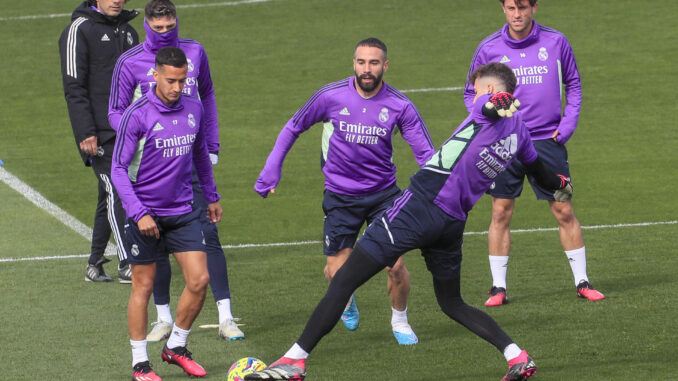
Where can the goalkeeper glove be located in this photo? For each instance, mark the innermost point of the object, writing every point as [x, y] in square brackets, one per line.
[501, 105]
[563, 194]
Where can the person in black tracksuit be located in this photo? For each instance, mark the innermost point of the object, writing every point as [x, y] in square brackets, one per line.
[90, 46]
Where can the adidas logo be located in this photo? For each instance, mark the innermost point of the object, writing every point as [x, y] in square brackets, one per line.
[157, 127]
[504, 59]
[150, 71]
[105, 38]
[344, 111]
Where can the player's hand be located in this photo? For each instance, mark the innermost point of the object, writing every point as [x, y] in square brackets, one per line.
[89, 146]
[265, 185]
[501, 105]
[214, 212]
[563, 194]
[147, 226]
[214, 158]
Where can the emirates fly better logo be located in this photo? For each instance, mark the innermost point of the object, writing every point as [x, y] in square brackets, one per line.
[493, 160]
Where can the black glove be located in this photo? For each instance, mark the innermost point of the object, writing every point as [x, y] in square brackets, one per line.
[565, 191]
[501, 105]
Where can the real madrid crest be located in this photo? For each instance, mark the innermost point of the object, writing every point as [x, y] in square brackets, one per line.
[191, 120]
[190, 65]
[130, 41]
[383, 115]
[543, 54]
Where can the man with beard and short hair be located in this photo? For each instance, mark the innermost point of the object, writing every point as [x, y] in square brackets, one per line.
[133, 77]
[98, 34]
[360, 115]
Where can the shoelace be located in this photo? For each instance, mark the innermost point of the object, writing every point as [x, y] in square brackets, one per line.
[182, 351]
[144, 367]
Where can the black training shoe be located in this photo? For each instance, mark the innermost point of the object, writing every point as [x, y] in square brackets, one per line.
[96, 273]
[125, 274]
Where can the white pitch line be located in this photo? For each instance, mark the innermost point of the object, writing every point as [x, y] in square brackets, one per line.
[247, 245]
[432, 89]
[41, 202]
[278, 244]
[220, 4]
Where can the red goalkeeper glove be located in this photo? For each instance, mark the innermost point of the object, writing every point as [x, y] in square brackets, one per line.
[501, 105]
[565, 191]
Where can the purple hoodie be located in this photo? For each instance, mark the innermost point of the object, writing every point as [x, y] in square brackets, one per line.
[466, 165]
[156, 146]
[542, 63]
[133, 77]
[357, 138]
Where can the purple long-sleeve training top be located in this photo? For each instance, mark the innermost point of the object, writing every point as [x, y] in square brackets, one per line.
[357, 138]
[466, 165]
[156, 146]
[133, 77]
[543, 62]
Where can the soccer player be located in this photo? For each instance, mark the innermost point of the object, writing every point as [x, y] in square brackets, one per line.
[133, 76]
[97, 35]
[543, 61]
[161, 136]
[430, 215]
[361, 114]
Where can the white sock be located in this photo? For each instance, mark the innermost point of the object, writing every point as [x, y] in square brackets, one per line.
[296, 353]
[178, 337]
[577, 260]
[164, 313]
[399, 321]
[224, 308]
[498, 267]
[139, 353]
[350, 301]
[512, 351]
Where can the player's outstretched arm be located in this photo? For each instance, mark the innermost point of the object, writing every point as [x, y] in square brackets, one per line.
[501, 105]
[270, 176]
[312, 113]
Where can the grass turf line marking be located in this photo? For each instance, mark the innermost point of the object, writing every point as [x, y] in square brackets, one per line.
[219, 4]
[41, 202]
[277, 244]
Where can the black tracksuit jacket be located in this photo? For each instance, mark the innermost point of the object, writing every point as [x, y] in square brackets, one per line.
[89, 48]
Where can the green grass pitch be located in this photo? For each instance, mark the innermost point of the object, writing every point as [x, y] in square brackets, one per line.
[267, 59]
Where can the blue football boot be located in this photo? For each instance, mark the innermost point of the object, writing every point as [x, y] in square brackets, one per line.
[351, 316]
